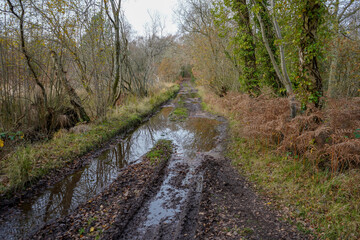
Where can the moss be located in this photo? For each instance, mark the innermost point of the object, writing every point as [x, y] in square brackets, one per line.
[29, 163]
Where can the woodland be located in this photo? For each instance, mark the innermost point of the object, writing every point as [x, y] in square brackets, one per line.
[286, 73]
[295, 65]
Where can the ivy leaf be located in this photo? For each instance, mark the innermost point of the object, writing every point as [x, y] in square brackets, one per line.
[357, 133]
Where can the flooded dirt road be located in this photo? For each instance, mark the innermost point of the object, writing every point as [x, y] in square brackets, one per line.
[119, 195]
[190, 137]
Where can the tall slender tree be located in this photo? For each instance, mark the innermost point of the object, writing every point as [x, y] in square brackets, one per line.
[114, 14]
[246, 44]
[280, 71]
[20, 15]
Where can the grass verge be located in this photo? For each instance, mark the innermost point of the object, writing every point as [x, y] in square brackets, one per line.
[29, 163]
[318, 202]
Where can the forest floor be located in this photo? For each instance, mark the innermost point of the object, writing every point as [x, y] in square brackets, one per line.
[170, 195]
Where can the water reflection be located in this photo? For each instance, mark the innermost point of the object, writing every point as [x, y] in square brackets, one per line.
[191, 136]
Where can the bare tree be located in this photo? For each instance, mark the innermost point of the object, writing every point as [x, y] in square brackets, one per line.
[74, 98]
[341, 12]
[29, 60]
[147, 52]
[115, 16]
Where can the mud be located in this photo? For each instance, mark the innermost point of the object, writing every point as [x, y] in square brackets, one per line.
[192, 194]
[110, 211]
[230, 209]
[171, 213]
[61, 192]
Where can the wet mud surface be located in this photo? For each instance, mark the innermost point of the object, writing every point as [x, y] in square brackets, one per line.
[110, 211]
[194, 193]
[230, 209]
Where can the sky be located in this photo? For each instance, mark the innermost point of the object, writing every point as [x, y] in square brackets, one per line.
[136, 11]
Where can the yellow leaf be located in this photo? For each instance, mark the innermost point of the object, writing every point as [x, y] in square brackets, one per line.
[1, 143]
[92, 229]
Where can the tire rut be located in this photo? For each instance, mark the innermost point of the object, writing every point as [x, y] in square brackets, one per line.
[196, 194]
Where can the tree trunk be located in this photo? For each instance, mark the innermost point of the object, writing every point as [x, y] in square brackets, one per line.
[269, 75]
[335, 57]
[117, 62]
[311, 81]
[116, 22]
[74, 98]
[24, 50]
[333, 71]
[282, 75]
[281, 48]
[84, 81]
[248, 53]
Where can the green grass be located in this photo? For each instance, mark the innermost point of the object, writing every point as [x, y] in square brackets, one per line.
[179, 114]
[161, 151]
[327, 203]
[29, 163]
[154, 156]
[246, 231]
[193, 95]
[316, 201]
[181, 101]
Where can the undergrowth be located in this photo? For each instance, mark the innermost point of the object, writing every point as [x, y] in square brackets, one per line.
[314, 182]
[29, 163]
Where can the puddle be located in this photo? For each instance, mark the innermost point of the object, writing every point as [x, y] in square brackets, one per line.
[164, 214]
[190, 137]
[162, 208]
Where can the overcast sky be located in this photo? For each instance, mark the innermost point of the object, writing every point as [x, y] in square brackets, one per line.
[136, 11]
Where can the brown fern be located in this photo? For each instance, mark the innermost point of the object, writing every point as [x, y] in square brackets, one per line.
[325, 137]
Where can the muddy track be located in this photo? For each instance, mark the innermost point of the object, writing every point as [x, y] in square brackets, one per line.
[109, 212]
[216, 202]
[194, 193]
[172, 212]
[230, 209]
[56, 175]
